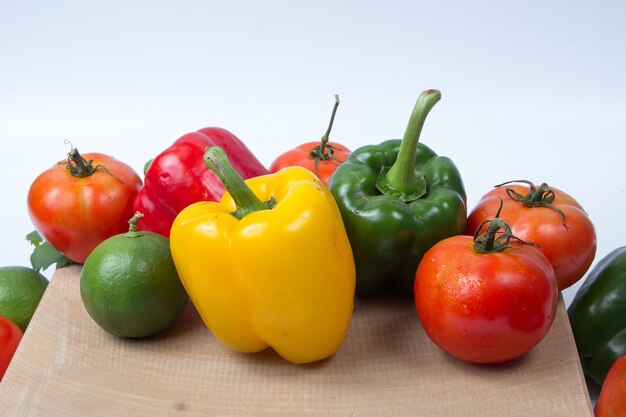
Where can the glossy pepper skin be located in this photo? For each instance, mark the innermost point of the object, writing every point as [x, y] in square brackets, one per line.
[281, 275]
[598, 315]
[397, 200]
[178, 177]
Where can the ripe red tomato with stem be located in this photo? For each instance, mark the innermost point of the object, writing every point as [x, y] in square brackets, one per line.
[10, 337]
[321, 158]
[81, 201]
[488, 298]
[548, 217]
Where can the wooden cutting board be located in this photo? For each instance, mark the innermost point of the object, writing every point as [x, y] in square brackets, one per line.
[67, 366]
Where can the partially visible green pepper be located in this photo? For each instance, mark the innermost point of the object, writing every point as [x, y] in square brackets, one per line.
[398, 199]
[598, 315]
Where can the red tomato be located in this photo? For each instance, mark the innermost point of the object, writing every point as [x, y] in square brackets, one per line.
[554, 221]
[485, 307]
[78, 203]
[10, 336]
[321, 158]
[304, 156]
[612, 399]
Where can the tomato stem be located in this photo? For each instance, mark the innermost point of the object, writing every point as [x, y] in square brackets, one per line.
[324, 151]
[536, 197]
[497, 237]
[79, 167]
[246, 201]
[322, 148]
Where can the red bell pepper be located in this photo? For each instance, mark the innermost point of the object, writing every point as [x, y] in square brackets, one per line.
[178, 176]
[612, 399]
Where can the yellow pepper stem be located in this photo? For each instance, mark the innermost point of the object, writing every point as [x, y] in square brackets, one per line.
[246, 201]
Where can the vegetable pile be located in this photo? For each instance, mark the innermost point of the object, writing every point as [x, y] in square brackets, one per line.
[250, 246]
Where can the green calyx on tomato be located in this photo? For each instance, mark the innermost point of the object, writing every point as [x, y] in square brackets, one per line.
[543, 196]
[320, 157]
[325, 151]
[79, 167]
[493, 240]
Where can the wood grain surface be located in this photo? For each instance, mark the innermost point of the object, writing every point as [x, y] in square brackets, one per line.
[67, 366]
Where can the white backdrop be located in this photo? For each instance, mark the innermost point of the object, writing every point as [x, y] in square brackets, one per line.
[530, 90]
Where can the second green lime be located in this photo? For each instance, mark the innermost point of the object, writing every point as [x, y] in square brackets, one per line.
[129, 285]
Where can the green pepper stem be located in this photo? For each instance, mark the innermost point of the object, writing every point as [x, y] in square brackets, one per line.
[401, 176]
[246, 201]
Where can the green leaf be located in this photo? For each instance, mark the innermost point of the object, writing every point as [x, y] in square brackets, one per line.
[44, 255]
[34, 238]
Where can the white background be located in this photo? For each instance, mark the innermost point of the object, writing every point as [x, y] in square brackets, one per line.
[531, 89]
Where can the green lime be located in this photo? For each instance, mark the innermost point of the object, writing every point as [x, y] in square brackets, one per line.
[21, 290]
[130, 287]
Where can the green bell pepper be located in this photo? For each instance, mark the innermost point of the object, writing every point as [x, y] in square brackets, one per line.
[398, 199]
[598, 315]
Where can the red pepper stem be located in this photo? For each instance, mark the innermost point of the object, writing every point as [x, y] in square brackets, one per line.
[246, 201]
[401, 176]
[325, 138]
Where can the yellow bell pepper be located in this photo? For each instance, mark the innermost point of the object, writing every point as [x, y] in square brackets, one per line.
[279, 273]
